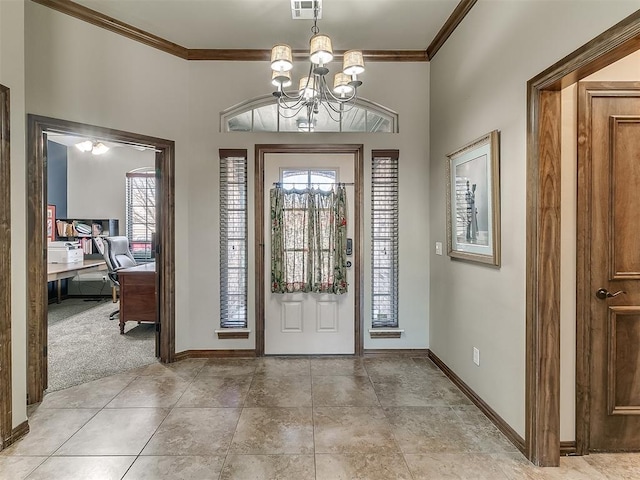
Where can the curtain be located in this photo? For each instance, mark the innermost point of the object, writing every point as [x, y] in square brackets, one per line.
[308, 240]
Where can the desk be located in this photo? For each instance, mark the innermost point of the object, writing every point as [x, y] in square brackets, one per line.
[60, 271]
[137, 294]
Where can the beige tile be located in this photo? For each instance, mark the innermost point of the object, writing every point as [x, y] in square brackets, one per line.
[268, 467]
[151, 391]
[17, 468]
[454, 466]
[95, 394]
[186, 369]
[338, 366]
[427, 365]
[371, 466]
[115, 432]
[283, 366]
[405, 392]
[618, 466]
[516, 467]
[349, 430]
[226, 367]
[452, 394]
[216, 392]
[194, 431]
[279, 391]
[83, 468]
[176, 468]
[343, 391]
[486, 435]
[396, 366]
[274, 430]
[429, 429]
[48, 429]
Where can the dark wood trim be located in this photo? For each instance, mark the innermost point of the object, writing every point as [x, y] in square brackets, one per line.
[198, 54]
[384, 334]
[391, 352]
[37, 126]
[116, 26]
[449, 26]
[543, 305]
[543, 224]
[496, 419]
[214, 354]
[358, 156]
[232, 335]
[17, 433]
[567, 448]
[6, 420]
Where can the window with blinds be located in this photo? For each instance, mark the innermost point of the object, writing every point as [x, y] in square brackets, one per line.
[141, 213]
[233, 238]
[384, 234]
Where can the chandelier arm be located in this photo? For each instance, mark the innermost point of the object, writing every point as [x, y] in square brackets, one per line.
[295, 110]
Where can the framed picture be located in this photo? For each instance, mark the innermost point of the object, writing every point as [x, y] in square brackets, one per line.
[51, 222]
[473, 201]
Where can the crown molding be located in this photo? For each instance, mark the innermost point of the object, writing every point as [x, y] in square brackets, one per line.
[449, 26]
[243, 55]
[108, 23]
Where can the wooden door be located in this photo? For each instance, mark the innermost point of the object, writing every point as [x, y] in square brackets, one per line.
[609, 249]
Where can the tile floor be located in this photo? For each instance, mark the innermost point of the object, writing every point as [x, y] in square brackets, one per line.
[278, 418]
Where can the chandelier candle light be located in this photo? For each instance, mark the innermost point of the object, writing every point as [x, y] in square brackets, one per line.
[313, 91]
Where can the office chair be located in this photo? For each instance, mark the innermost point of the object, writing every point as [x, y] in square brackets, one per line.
[117, 256]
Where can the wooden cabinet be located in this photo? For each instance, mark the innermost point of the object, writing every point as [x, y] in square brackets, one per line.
[138, 301]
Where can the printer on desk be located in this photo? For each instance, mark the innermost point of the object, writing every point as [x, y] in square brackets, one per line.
[65, 252]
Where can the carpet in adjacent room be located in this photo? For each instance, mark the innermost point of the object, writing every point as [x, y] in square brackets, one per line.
[85, 345]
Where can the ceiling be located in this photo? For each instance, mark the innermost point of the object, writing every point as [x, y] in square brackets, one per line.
[259, 24]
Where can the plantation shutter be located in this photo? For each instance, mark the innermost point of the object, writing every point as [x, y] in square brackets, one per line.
[384, 234]
[233, 238]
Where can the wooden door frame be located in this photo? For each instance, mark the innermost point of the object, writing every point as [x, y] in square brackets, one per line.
[6, 420]
[37, 127]
[542, 409]
[584, 293]
[358, 156]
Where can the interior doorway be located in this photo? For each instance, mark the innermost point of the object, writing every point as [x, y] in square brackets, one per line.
[345, 158]
[542, 409]
[97, 190]
[38, 128]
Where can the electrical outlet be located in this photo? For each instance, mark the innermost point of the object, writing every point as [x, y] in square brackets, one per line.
[104, 279]
[438, 248]
[476, 356]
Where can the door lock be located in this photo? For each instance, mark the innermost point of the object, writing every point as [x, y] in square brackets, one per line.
[603, 293]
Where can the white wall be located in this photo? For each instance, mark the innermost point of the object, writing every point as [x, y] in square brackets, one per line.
[478, 83]
[76, 71]
[96, 184]
[79, 72]
[12, 71]
[250, 80]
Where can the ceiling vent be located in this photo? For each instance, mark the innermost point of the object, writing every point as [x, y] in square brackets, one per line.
[303, 9]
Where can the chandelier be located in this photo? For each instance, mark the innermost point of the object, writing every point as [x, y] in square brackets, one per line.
[313, 92]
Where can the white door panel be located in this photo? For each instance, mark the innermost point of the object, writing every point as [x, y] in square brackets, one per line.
[308, 323]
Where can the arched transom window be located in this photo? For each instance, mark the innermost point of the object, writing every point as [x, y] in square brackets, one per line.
[261, 115]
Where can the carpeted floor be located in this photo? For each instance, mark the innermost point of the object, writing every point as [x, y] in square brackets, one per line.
[85, 345]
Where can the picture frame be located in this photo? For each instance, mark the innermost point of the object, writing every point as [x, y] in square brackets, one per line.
[51, 223]
[473, 201]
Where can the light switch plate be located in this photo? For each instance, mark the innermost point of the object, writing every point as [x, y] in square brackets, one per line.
[438, 248]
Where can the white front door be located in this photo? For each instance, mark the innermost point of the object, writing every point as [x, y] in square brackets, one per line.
[308, 323]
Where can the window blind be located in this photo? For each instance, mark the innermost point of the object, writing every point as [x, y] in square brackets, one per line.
[384, 234]
[233, 238]
[141, 213]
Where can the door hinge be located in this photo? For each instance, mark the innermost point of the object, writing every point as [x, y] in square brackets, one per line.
[158, 326]
[45, 351]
